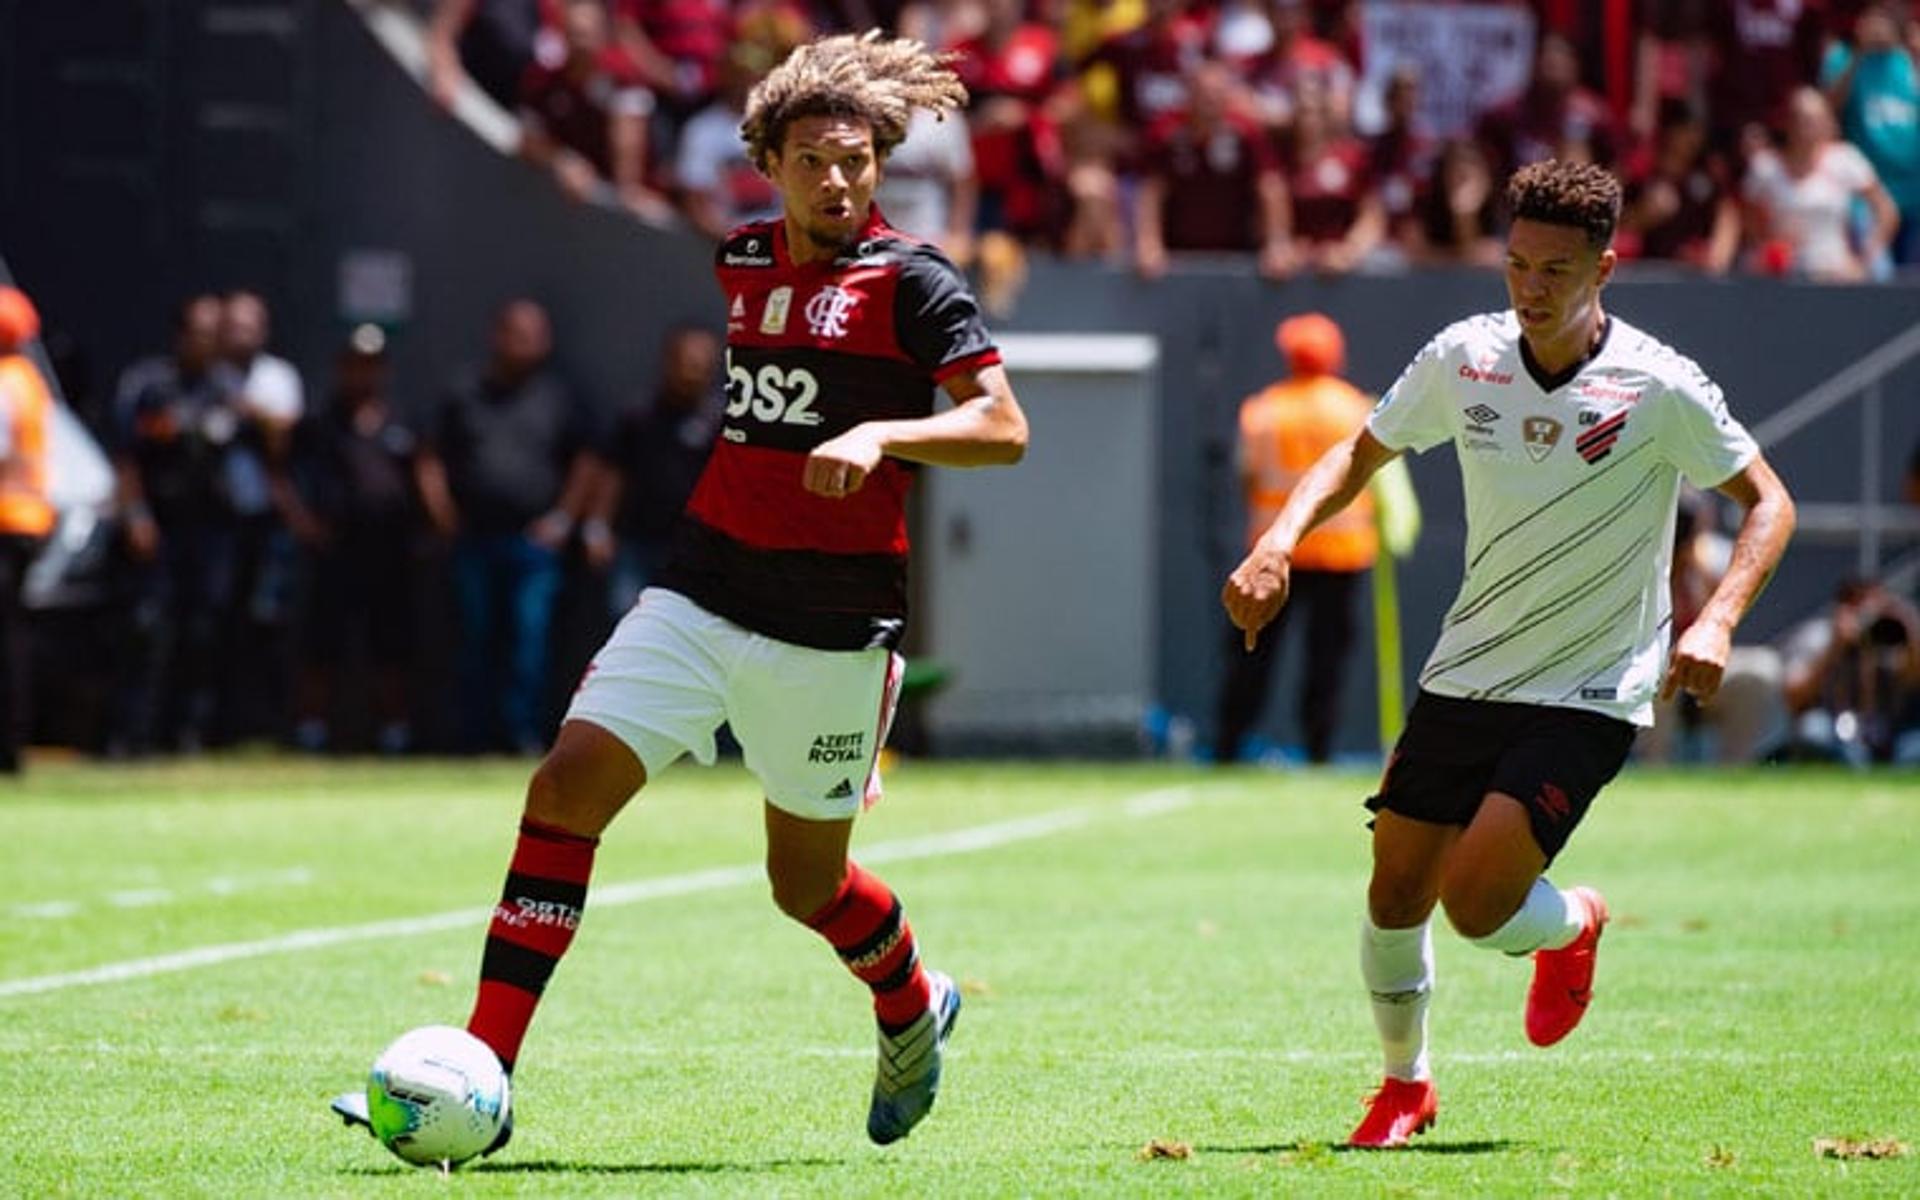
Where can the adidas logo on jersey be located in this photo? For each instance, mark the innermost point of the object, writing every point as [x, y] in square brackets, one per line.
[842, 790]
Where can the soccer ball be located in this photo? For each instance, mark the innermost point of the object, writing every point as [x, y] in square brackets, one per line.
[437, 1096]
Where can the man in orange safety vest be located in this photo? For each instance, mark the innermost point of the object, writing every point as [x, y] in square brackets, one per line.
[26, 514]
[1284, 429]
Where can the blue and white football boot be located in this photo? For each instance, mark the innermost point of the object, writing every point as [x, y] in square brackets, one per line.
[909, 1071]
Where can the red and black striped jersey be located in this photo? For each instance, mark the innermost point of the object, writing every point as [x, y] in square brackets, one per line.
[814, 349]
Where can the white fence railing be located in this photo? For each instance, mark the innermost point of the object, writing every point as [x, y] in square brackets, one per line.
[1873, 520]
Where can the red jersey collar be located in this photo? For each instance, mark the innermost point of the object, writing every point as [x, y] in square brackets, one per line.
[875, 226]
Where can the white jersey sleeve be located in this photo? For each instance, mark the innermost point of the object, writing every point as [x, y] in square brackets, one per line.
[1416, 412]
[1697, 434]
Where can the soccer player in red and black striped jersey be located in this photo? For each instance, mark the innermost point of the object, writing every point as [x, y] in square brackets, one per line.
[785, 592]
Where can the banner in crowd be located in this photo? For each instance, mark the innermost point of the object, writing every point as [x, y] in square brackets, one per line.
[1471, 57]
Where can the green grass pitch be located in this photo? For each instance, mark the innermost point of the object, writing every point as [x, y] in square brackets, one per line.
[1148, 953]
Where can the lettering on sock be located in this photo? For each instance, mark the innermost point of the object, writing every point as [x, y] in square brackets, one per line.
[872, 957]
[526, 913]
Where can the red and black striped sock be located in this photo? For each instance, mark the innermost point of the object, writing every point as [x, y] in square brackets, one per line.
[864, 923]
[532, 927]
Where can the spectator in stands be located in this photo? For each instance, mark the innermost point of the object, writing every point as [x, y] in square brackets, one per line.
[176, 423]
[1299, 63]
[1210, 183]
[1459, 211]
[653, 459]
[928, 189]
[1747, 717]
[270, 391]
[1241, 34]
[677, 47]
[942, 23]
[1852, 676]
[1153, 62]
[1680, 205]
[856, 16]
[492, 42]
[350, 497]
[1400, 158]
[1015, 110]
[586, 119]
[1338, 219]
[270, 398]
[1284, 429]
[26, 509]
[1556, 117]
[1874, 84]
[1763, 51]
[1802, 199]
[719, 188]
[505, 471]
[1673, 61]
[1602, 34]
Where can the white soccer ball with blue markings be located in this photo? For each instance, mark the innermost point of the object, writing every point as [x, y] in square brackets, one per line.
[437, 1096]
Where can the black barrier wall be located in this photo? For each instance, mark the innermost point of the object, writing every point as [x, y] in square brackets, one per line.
[118, 130]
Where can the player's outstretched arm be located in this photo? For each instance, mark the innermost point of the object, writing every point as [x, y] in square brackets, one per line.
[1700, 655]
[1257, 589]
[984, 428]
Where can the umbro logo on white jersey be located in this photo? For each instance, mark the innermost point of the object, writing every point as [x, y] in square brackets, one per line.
[1482, 415]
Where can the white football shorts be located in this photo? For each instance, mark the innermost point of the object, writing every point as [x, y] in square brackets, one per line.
[811, 722]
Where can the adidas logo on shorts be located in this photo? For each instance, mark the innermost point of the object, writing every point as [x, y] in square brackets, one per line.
[842, 790]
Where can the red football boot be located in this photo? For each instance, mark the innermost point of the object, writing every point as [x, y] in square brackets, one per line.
[1395, 1113]
[1563, 978]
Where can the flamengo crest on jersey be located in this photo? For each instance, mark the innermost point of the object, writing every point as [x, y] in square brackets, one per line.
[812, 351]
[1570, 497]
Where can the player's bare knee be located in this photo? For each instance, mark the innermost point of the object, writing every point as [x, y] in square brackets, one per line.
[1475, 912]
[802, 892]
[1397, 902]
[574, 788]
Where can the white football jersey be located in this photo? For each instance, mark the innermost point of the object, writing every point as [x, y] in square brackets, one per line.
[1570, 494]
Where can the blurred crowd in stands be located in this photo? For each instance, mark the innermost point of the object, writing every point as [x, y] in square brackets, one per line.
[267, 563]
[1774, 136]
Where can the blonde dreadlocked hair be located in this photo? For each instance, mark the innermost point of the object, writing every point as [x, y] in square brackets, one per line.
[867, 77]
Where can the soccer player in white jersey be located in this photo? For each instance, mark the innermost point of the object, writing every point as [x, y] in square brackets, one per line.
[1573, 430]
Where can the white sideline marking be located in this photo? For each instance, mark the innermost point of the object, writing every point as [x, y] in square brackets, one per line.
[46, 910]
[139, 897]
[219, 885]
[958, 841]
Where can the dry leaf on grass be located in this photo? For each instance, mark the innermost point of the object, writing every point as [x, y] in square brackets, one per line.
[435, 978]
[1721, 1156]
[1164, 1148]
[1846, 1147]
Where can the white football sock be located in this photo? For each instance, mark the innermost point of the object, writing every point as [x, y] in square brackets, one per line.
[1548, 919]
[1398, 967]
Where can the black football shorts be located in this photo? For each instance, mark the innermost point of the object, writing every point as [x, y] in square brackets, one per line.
[1453, 752]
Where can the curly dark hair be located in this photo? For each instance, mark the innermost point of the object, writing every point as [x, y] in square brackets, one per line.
[1579, 195]
[868, 77]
